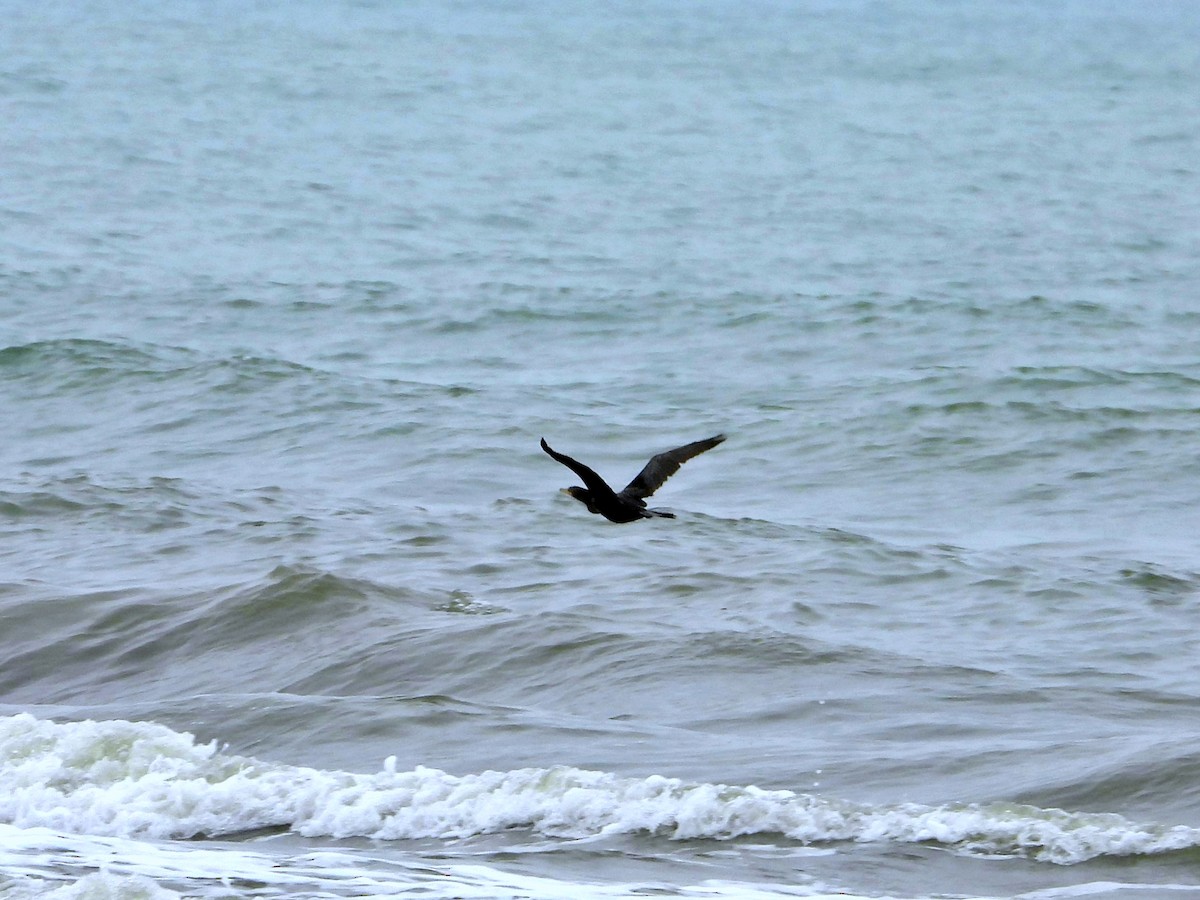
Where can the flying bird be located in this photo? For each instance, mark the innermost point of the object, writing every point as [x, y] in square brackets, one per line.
[629, 505]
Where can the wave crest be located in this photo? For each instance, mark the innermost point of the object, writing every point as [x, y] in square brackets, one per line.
[141, 779]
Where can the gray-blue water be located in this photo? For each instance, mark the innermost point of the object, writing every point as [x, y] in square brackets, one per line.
[290, 602]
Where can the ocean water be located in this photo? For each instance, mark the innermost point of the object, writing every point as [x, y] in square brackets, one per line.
[290, 602]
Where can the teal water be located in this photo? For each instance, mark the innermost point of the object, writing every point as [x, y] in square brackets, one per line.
[289, 294]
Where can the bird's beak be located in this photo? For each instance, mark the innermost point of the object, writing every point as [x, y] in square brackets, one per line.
[566, 491]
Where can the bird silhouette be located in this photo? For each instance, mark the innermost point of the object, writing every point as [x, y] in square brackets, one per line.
[629, 504]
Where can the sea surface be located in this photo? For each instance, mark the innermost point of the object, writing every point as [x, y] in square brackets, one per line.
[291, 604]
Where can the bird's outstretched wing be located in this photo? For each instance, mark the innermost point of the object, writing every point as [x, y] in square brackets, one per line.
[663, 465]
[591, 480]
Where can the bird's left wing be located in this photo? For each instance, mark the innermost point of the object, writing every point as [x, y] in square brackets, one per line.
[591, 480]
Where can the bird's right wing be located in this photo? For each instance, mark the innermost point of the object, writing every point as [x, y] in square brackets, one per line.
[591, 480]
[664, 465]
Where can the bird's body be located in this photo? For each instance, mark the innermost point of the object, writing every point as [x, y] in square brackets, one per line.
[629, 504]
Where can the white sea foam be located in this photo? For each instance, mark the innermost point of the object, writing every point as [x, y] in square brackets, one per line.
[98, 886]
[130, 779]
[39, 862]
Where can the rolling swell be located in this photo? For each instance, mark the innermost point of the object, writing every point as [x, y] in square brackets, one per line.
[320, 633]
[142, 643]
[461, 667]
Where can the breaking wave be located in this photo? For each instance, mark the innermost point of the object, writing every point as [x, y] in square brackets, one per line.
[143, 780]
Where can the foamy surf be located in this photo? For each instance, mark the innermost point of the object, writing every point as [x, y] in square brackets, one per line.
[144, 780]
[49, 865]
[43, 863]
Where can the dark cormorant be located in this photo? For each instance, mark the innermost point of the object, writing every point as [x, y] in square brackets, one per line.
[630, 504]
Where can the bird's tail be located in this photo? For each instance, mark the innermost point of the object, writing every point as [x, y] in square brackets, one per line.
[657, 513]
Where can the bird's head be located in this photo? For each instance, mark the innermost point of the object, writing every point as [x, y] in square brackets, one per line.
[583, 495]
